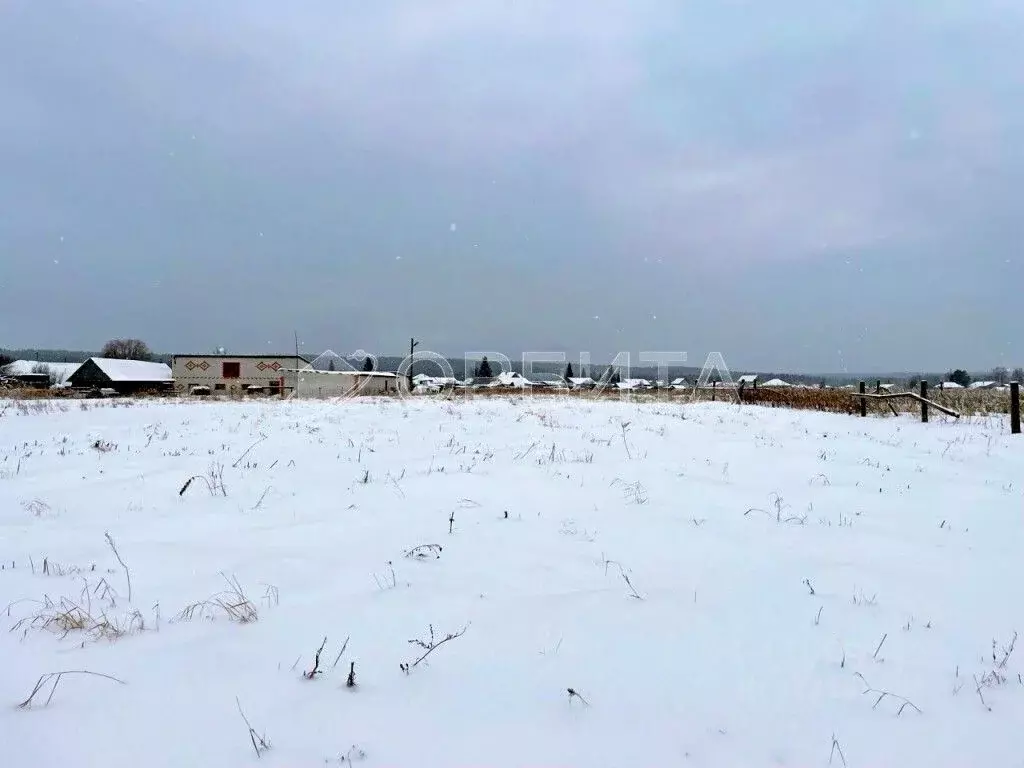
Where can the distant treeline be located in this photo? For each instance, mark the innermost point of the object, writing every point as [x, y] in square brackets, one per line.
[61, 355]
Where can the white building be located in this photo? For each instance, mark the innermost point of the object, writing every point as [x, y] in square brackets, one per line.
[310, 383]
[227, 374]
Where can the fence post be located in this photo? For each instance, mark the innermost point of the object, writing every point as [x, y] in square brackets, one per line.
[878, 387]
[714, 390]
[924, 406]
[863, 402]
[1014, 407]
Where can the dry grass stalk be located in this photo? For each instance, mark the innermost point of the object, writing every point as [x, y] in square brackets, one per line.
[429, 646]
[424, 551]
[127, 573]
[312, 673]
[259, 743]
[56, 677]
[574, 694]
[624, 575]
[904, 702]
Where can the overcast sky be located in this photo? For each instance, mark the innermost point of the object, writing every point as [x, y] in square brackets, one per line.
[799, 185]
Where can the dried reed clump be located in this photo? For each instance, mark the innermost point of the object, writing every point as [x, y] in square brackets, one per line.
[230, 603]
[91, 614]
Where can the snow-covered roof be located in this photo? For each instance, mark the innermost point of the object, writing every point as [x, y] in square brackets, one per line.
[949, 385]
[578, 381]
[634, 384]
[551, 381]
[133, 370]
[747, 378]
[510, 379]
[982, 384]
[678, 382]
[776, 383]
[25, 367]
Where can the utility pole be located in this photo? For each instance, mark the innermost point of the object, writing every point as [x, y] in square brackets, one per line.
[296, 365]
[412, 350]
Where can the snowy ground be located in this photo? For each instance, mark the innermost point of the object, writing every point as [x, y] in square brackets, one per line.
[779, 564]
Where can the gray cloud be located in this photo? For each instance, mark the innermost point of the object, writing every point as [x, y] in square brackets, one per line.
[651, 175]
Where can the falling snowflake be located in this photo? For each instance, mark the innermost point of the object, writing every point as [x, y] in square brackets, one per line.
[453, 227]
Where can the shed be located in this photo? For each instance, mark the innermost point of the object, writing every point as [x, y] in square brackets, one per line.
[34, 373]
[123, 376]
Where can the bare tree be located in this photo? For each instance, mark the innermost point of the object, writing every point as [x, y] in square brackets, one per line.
[52, 374]
[1000, 375]
[1018, 374]
[126, 349]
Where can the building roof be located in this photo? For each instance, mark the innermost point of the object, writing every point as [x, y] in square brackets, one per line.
[24, 368]
[510, 379]
[133, 370]
[551, 381]
[776, 383]
[747, 378]
[634, 384]
[289, 356]
[317, 372]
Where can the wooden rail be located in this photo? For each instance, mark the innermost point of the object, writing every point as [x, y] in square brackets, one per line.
[925, 402]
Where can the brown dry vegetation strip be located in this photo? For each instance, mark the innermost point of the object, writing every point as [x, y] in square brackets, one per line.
[967, 401]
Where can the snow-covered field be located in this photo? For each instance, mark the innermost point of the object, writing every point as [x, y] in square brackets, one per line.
[720, 586]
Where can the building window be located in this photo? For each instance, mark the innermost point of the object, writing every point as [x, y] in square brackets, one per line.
[231, 370]
[219, 387]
